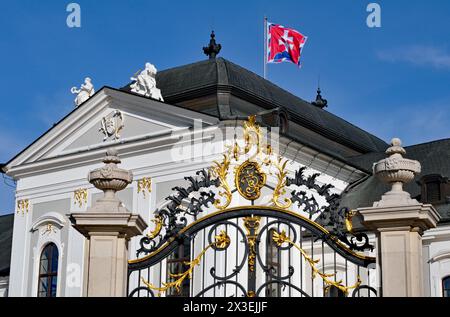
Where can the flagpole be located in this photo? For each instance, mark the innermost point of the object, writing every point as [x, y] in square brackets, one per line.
[265, 47]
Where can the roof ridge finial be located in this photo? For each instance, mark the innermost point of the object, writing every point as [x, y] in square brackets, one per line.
[212, 49]
[320, 102]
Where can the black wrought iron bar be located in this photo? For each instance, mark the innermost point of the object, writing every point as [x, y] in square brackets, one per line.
[289, 261]
[139, 294]
[148, 279]
[335, 267]
[279, 265]
[301, 257]
[215, 263]
[346, 272]
[237, 252]
[226, 260]
[191, 257]
[160, 274]
[323, 270]
[358, 274]
[312, 257]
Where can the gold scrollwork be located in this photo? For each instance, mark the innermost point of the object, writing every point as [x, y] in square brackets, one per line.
[249, 180]
[253, 138]
[280, 189]
[349, 220]
[23, 206]
[251, 224]
[80, 195]
[144, 185]
[220, 170]
[252, 128]
[221, 241]
[280, 238]
[158, 226]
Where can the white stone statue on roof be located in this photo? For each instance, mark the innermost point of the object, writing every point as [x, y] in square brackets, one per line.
[84, 93]
[145, 83]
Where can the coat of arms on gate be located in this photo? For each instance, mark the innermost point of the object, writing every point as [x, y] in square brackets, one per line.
[249, 180]
[112, 124]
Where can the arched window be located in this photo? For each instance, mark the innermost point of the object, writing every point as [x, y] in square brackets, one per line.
[48, 271]
[446, 287]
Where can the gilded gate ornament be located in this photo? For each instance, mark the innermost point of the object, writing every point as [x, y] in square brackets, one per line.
[220, 170]
[280, 189]
[251, 224]
[249, 180]
[250, 165]
[221, 242]
[244, 170]
[281, 237]
[158, 226]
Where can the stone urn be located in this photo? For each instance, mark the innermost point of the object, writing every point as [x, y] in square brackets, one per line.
[396, 171]
[110, 179]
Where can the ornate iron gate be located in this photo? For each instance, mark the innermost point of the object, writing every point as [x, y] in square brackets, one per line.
[202, 247]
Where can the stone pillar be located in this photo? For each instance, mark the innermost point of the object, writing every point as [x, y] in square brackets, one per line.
[108, 226]
[399, 222]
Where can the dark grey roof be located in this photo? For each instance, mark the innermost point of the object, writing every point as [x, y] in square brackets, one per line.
[209, 76]
[6, 230]
[434, 158]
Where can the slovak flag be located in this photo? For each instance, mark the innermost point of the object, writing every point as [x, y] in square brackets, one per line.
[284, 44]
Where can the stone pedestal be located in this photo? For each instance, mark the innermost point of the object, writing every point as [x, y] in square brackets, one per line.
[399, 222]
[399, 245]
[108, 226]
[108, 236]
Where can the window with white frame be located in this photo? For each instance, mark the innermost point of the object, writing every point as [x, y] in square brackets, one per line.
[48, 271]
[446, 287]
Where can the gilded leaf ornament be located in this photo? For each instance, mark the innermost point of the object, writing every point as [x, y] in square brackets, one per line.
[349, 220]
[221, 242]
[280, 189]
[158, 226]
[281, 237]
[251, 224]
[220, 170]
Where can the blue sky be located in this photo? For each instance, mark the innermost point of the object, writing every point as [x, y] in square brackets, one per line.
[390, 81]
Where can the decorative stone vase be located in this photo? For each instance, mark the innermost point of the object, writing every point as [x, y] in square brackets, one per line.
[110, 179]
[396, 171]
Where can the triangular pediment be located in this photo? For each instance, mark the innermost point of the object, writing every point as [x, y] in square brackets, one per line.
[109, 118]
[132, 127]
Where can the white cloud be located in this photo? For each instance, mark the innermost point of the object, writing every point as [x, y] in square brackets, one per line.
[420, 55]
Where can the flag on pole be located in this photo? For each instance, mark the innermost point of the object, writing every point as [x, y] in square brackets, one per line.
[284, 44]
